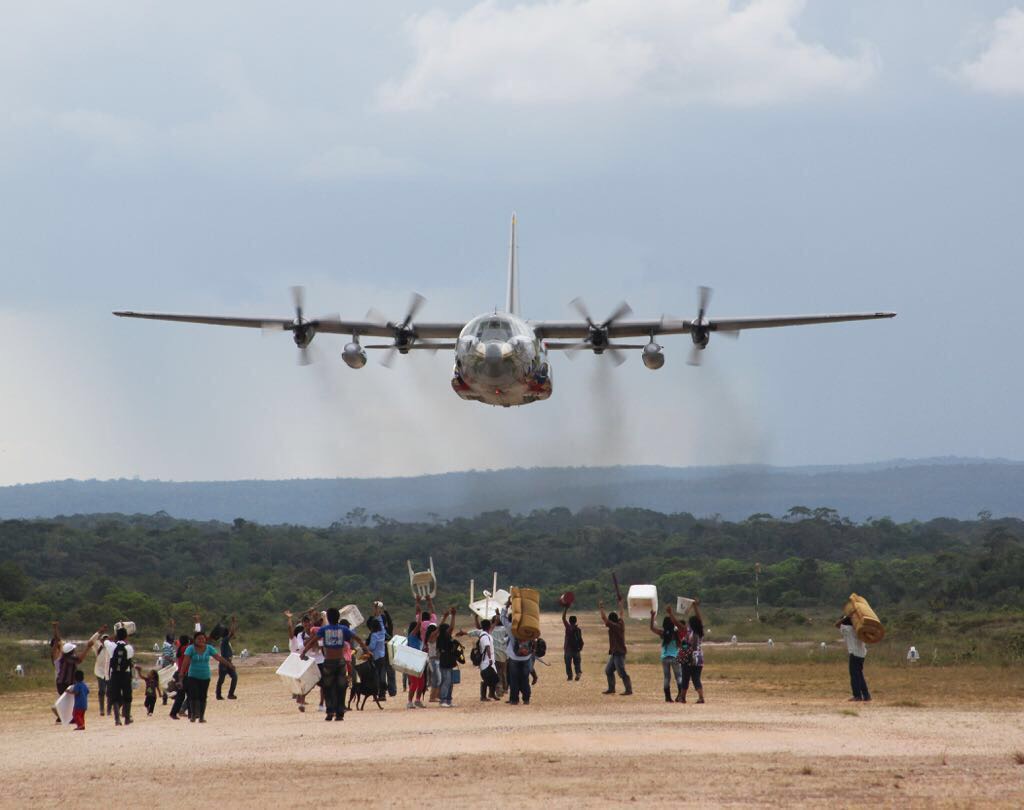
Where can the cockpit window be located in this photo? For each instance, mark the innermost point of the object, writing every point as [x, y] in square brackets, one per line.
[494, 329]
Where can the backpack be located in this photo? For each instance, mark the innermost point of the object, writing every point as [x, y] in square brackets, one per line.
[577, 637]
[540, 648]
[458, 652]
[120, 663]
[475, 656]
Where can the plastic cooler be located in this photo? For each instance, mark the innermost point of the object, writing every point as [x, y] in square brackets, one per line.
[64, 706]
[641, 600]
[404, 658]
[300, 676]
[352, 614]
[683, 604]
[164, 675]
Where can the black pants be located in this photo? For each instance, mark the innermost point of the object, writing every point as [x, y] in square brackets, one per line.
[334, 683]
[691, 672]
[858, 685]
[119, 694]
[519, 680]
[572, 659]
[179, 701]
[197, 689]
[380, 666]
[222, 673]
[392, 681]
[488, 682]
[150, 702]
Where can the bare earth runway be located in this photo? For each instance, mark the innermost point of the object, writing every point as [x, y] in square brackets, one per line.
[571, 747]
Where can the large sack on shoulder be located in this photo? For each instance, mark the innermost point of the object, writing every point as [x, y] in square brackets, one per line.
[865, 623]
[525, 614]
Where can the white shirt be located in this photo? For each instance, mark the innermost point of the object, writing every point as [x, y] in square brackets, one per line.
[486, 646]
[853, 644]
[108, 648]
[102, 667]
[295, 644]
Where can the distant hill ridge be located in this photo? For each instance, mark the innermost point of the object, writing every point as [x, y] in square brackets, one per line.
[901, 489]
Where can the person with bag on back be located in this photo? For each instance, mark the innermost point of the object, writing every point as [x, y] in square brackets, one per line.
[520, 656]
[483, 656]
[858, 651]
[616, 650]
[119, 681]
[573, 645]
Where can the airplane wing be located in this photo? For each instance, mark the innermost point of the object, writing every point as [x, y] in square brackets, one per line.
[622, 329]
[428, 330]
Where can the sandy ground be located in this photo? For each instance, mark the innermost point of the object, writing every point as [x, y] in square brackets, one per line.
[571, 747]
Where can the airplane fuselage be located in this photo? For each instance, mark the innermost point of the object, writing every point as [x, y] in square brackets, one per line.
[499, 360]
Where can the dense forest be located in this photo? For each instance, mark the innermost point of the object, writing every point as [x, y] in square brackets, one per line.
[90, 569]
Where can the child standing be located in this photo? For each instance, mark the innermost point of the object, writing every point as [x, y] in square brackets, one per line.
[81, 692]
[153, 691]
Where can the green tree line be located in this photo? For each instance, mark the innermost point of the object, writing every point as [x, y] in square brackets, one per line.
[86, 570]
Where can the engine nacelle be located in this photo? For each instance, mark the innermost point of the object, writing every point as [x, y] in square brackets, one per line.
[354, 355]
[303, 335]
[653, 356]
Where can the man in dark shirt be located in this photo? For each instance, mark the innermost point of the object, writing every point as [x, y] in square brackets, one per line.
[572, 646]
[227, 654]
[616, 650]
[334, 680]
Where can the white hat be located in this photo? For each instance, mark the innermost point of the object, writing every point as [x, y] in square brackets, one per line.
[68, 647]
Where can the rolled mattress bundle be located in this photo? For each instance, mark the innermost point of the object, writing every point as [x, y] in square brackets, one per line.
[525, 614]
[865, 623]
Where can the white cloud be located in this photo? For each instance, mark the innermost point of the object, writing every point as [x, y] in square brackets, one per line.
[1000, 67]
[675, 51]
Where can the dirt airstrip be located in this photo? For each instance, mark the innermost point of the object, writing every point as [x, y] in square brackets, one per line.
[572, 747]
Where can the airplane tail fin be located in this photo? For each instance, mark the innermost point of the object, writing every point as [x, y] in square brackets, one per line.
[512, 303]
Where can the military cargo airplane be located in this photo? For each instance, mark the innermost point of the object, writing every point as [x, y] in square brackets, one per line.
[501, 358]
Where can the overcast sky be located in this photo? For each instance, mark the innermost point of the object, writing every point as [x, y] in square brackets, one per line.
[797, 157]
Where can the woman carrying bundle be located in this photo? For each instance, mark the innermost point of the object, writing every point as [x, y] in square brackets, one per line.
[670, 663]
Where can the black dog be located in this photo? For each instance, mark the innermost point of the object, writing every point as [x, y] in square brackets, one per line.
[364, 686]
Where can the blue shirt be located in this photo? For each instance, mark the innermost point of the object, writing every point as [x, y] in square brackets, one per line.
[414, 642]
[199, 667]
[81, 695]
[334, 636]
[377, 644]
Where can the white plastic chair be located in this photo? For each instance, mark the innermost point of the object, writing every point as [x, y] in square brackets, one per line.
[423, 583]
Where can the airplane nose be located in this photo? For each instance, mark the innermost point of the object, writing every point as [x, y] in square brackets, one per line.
[492, 360]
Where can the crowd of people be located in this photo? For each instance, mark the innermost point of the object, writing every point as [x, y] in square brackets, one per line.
[116, 670]
[352, 667]
[507, 665]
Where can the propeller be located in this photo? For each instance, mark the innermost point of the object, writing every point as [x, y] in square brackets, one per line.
[597, 339]
[700, 329]
[404, 330]
[302, 330]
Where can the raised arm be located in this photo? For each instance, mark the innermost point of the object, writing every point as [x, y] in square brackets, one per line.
[291, 627]
[696, 609]
[604, 618]
[565, 612]
[233, 627]
[672, 615]
[653, 628]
